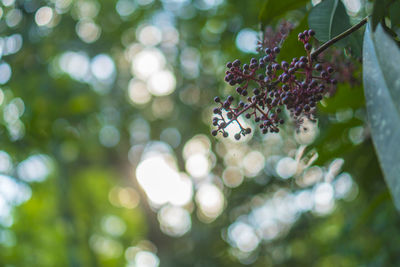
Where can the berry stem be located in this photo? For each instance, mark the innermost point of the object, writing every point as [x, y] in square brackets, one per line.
[261, 111]
[239, 113]
[338, 37]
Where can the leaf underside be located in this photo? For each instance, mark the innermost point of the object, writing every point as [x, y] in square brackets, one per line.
[381, 78]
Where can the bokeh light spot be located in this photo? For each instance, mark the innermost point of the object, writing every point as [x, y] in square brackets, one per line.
[286, 167]
[147, 62]
[5, 73]
[243, 236]
[103, 67]
[109, 136]
[174, 221]
[43, 16]
[246, 40]
[138, 92]
[210, 200]
[88, 31]
[162, 83]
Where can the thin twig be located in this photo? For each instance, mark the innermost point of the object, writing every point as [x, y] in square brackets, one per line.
[337, 38]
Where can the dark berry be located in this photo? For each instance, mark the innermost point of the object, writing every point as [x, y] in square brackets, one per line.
[276, 67]
[237, 136]
[303, 59]
[236, 63]
[285, 78]
[226, 104]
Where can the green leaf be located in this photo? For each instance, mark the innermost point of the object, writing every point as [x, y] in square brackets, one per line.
[274, 9]
[381, 57]
[378, 13]
[328, 19]
[292, 47]
[394, 11]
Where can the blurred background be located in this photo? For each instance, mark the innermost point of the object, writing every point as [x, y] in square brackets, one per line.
[106, 157]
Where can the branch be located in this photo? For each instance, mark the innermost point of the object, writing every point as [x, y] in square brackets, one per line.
[337, 38]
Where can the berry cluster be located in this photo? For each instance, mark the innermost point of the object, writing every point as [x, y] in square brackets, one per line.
[297, 85]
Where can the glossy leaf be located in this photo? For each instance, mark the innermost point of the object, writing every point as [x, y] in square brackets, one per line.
[382, 92]
[328, 19]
